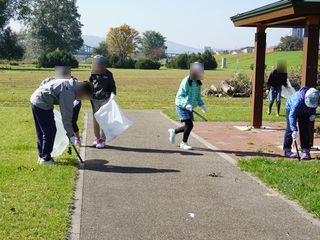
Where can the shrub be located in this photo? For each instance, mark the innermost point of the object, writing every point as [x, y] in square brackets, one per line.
[252, 66]
[241, 84]
[114, 61]
[14, 63]
[209, 61]
[58, 58]
[183, 61]
[128, 63]
[147, 63]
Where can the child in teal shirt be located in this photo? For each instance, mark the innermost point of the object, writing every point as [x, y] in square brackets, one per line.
[188, 98]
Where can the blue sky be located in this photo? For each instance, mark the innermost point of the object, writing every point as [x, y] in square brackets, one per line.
[194, 23]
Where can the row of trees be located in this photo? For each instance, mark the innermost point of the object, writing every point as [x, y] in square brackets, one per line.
[124, 42]
[49, 25]
[183, 61]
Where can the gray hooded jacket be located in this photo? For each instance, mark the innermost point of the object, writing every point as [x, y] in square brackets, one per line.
[60, 92]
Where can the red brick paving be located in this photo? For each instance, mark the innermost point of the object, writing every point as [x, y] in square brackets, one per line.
[243, 144]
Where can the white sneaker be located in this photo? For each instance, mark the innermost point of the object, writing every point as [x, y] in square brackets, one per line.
[172, 136]
[101, 144]
[185, 146]
[41, 161]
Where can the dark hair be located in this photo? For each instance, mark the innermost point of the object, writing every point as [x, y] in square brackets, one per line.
[190, 82]
[86, 87]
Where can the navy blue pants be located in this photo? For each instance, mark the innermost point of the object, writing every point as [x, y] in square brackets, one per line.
[275, 95]
[46, 131]
[303, 123]
[75, 116]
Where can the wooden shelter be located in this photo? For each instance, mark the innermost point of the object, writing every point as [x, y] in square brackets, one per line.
[282, 14]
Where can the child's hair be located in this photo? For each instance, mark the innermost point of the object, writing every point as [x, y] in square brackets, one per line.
[190, 82]
[86, 88]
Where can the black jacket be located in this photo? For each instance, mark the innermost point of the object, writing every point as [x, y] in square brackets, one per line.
[277, 80]
[103, 85]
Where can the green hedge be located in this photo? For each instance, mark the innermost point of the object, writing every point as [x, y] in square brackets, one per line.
[147, 63]
[58, 58]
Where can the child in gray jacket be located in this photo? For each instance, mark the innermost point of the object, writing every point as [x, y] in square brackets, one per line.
[60, 92]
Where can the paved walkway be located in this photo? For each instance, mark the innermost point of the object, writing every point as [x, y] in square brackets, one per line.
[140, 187]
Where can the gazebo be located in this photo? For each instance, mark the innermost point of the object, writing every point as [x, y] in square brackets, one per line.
[282, 14]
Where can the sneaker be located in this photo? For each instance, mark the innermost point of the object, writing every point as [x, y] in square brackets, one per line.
[95, 142]
[172, 136]
[306, 156]
[77, 142]
[101, 144]
[46, 162]
[289, 154]
[185, 146]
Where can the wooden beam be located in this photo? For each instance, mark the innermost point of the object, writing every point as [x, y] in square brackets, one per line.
[310, 59]
[258, 77]
[287, 22]
[266, 18]
[310, 54]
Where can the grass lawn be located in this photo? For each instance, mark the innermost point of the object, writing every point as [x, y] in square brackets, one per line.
[35, 201]
[293, 59]
[137, 89]
[230, 109]
[300, 181]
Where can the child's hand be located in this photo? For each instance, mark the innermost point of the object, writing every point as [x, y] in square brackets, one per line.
[189, 107]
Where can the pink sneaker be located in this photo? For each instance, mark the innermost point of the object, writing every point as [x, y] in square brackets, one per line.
[95, 142]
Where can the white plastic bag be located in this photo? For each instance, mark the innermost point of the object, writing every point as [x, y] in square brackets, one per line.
[112, 120]
[61, 141]
[288, 91]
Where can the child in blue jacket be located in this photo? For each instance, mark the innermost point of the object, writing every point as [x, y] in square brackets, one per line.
[188, 98]
[300, 107]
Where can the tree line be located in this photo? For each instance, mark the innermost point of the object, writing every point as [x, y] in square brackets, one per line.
[52, 34]
[124, 47]
[48, 25]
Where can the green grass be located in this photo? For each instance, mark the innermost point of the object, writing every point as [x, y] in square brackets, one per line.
[300, 181]
[137, 89]
[35, 201]
[230, 109]
[293, 59]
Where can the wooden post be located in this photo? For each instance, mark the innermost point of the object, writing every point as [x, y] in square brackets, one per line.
[310, 59]
[258, 77]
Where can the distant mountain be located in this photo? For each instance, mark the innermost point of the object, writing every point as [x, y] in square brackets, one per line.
[176, 48]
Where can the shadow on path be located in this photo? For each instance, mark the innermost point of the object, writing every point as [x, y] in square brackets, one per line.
[151, 150]
[101, 165]
[241, 153]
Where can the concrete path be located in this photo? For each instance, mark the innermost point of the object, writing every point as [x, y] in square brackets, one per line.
[140, 187]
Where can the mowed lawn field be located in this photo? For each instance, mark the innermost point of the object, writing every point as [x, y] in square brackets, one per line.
[244, 61]
[138, 89]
